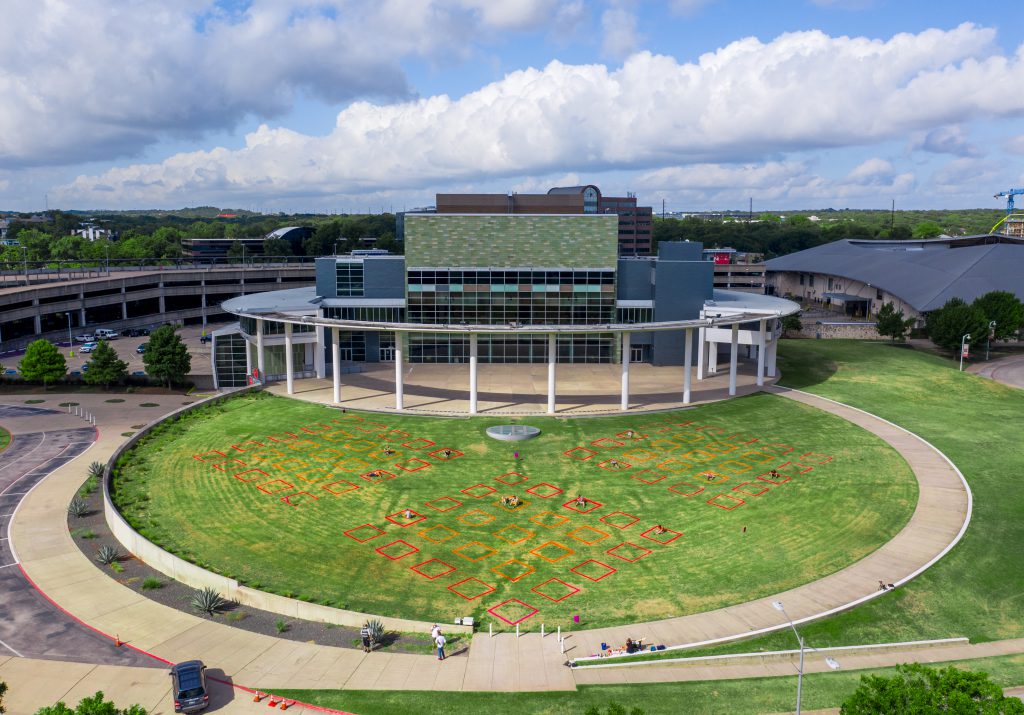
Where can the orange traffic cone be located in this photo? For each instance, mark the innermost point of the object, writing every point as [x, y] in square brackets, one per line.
[284, 705]
[271, 702]
[257, 696]
[117, 641]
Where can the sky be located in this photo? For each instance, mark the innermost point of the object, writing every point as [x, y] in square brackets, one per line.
[344, 106]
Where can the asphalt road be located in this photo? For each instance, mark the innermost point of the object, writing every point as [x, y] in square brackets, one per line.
[1008, 370]
[30, 625]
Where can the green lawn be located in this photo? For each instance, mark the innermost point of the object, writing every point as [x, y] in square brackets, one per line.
[5, 439]
[281, 524]
[729, 697]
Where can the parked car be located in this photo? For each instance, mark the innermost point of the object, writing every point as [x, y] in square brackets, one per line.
[203, 339]
[85, 367]
[88, 347]
[142, 348]
[86, 338]
[137, 332]
[188, 686]
[104, 334]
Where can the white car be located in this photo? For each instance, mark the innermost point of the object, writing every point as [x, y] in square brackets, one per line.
[103, 334]
[88, 347]
[86, 338]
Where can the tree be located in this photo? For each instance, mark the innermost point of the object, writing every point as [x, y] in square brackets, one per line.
[105, 368]
[792, 324]
[917, 688]
[276, 247]
[1003, 308]
[166, 357]
[890, 322]
[947, 325]
[236, 251]
[3, 689]
[43, 362]
[92, 705]
[927, 229]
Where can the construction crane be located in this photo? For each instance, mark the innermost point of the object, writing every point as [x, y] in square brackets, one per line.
[1009, 194]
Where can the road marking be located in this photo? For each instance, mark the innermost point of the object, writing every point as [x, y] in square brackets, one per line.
[7, 566]
[11, 649]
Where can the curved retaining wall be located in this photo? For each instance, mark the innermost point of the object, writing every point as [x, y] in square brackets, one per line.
[191, 575]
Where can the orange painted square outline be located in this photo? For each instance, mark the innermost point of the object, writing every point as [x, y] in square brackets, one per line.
[361, 442]
[640, 455]
[572, 535]
[724, 468]
[476, 511]
[708, 456]
[616, 467]
[495, 569]
[438, 454]
[426, 533]
[216, 465]
[355, 461]
[374, 476]
[568, 552]
[549, 526]
[529, 534]
[458, 553]
[683, 466]
[617, 443]
[340, 481]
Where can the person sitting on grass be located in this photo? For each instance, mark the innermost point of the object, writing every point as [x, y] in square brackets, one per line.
[447, 454]
[774, 474]
[387, 450]
[407, 513]
[614, 463]
[580, 501]
[659, 529]
[511, 501]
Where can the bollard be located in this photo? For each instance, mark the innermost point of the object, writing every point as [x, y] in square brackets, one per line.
[541, 630]
[559, 634]
[517, 630]
[490, 630]
[562, 646]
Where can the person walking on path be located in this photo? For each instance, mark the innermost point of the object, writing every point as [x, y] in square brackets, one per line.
[435, 631]
[440, 641]
[364, 633]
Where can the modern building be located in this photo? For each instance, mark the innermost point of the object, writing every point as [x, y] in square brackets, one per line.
[497, 288]
[860, 276]
[634, 229]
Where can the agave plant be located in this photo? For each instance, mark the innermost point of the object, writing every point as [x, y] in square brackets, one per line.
[207, 600]
[376, 628]
[78, 508]
[108, 555]
[96, 469]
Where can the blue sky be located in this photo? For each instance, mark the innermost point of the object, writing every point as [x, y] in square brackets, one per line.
[337, 105]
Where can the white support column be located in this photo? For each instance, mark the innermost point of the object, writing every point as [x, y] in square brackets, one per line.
[687, 361]
[289, 359]
[213, 361]
[552, 360]
[259, 349]
[712, 358]
[773, 349]
[336, 363]
[763, 326]
[399, 387]
[734, 354]
[625, 372]
[473, 355]
[319, 362]
[701, 354]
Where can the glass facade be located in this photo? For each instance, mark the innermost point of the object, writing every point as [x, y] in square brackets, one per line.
[454, 348]
[229, 357]
[635, 315]
[270, 327]
[377, 315]
[349, 278]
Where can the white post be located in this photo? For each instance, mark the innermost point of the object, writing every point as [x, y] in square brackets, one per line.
[552, 359]
[259, 349]
[687, 360]
[734, 354]
[399, 387]
[289, 360]
[319, 363]
[701, 353]
[763, 326]
[517, 630]
[473, 359]
[559, 636]
[248, 358]
[712, 358]
[541, 630]
[336, 363]
[490, 630]
[562, 646]
[625, 372]
[772, 353]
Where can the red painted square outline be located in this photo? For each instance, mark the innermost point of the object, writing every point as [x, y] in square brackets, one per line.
[490, 490]
[648, 481]
[495, 570]
[237, 475]
[712, 501]
[572, 535]
[326, 488]
[476, 511]
[323, 474]
[454, 588]
[423, 464]
[806, 467]
[766, 477]
[375, 427]
[381, 457]
[740, 437]
[380, 550]
[360, 442]
[323, 426]
[238, 447]
[363, 526]
[590, 453]
[542, 496]
[216, 465]
[607, 573]
[533, 611]
[686, 494]
[659, 541]
[501, 479]
[568, 552]
[404, 524]
[573, 592]
[426, 533]
[647, 552]
[416, 568]
[616, 467]
[374, 476]
[275, 491]
[597, 505]
[781, 449]
[549, 526]
[411, 442]
[529, 534]
[738, 488]
[614, 443]
[438, 454]
[275, 439]
[456, 504]
[605, 518]
[288, 499]
[458, 553]
[641, 455]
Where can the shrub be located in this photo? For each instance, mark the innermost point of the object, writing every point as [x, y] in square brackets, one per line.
[281, 625]
[152, 583]
[207, 600]
[84, 534]
[78, 508]
[376, 628]
[108, 554]
[96, 469]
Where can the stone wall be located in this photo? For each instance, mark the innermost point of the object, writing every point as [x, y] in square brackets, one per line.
[837, 330]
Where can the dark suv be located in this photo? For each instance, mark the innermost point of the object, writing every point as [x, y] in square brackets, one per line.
[188, 686]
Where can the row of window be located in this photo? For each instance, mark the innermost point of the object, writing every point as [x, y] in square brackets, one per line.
[271, 327]
[349, 279]
[508, 276]
[454, 348]
[373, 314]
[635, 315]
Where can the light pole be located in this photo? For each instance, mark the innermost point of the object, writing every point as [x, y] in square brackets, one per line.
[108, 257]
[830, 662]
[963, 342]
[71, 343]
[988, 338]
[24, 259]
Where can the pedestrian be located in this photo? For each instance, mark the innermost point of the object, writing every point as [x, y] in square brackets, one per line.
[364, 633]
[515, 455]
[440, 641]
[435, 631]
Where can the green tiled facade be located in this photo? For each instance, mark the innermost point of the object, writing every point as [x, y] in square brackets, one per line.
[509, 241]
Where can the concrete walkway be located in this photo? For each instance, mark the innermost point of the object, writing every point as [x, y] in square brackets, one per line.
[504, 663]
[1007, 370]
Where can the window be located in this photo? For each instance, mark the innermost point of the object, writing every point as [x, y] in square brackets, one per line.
[349, 278]
[878, 294]
[229, 357]
[801, 279]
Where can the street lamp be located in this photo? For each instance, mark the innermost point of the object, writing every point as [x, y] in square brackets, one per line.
[988, 338]
[963, 342]
[71, 343]
[830, 662]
